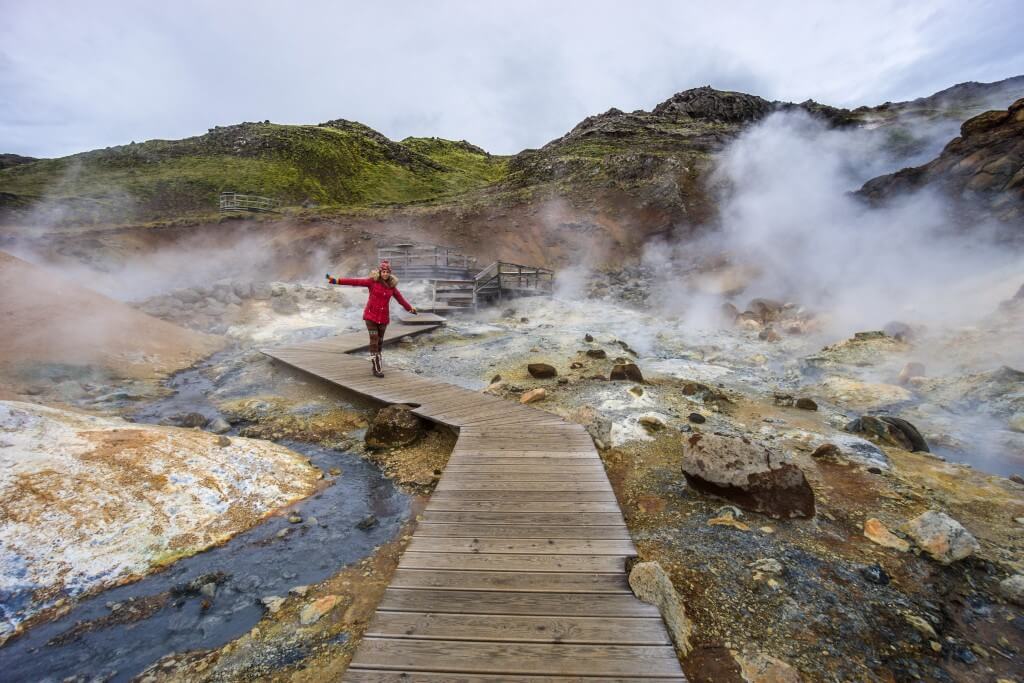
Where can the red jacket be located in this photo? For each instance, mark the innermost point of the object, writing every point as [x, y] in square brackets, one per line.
[380, 298]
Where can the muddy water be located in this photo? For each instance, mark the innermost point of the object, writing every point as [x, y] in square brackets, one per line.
[95, 642]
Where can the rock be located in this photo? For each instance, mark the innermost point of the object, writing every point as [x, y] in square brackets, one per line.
[889, 430]
[219, 426]
[1012, 589]
[651, 423]
[784, 400]
[941, 536]
[298, 590]
[273, 603]
[728, 311]
[757, 667]
[1017, 479]
[533, 396]
[910, 371]
[696, 418]
[806, 404]
[209, 589]
[367, 523]
[748, 474]
[576, 366]
[626, 371]
[825, 450]
[766, 310]
[597, 353]
[223, 441]
[187, 420]
[650, 583]
[541, 370]
[495, 379]
[393, 427]
[294, 519]
[768, 565]
[876, 531]
[588, 337]
[315, 610]
[769, 334]
[921, 625]
[873, 573]
[704, 392]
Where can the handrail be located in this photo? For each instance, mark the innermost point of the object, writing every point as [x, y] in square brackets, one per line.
[234, 201]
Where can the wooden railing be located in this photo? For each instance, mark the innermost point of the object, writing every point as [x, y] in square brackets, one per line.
[405, 256]
[232, 201]
[514, 278]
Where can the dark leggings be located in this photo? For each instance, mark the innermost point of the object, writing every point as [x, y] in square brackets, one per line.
[376, 331]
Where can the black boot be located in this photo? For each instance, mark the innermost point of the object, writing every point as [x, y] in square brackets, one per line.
[378, 366]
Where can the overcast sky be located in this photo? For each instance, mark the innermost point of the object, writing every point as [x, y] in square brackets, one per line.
[80, 75]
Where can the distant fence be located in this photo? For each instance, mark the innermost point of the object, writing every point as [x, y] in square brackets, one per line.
[232, 201]
[412, 259]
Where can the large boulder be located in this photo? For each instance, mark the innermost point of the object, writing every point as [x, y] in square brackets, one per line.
[393, 427]
[893, 431]
[748, 474]
[941, 536]
[627, 371]
[541, 370]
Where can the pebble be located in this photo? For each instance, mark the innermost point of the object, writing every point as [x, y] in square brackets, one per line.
[273, 603]
[209, 589]
[223, 441]
[294, 519]
[768, 565]
[367, 523]
[299, 590]
[283, 532]
[697, 418]
[874, 573]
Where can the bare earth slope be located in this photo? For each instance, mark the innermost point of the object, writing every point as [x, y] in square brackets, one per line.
[49, 319]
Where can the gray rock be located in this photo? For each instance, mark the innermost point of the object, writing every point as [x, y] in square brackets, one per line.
[747, 474]
[889, 430]
[187, 420]
[219, 426]
[941, 536]
[1012, 589]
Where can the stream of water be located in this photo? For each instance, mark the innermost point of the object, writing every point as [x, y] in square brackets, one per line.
[93, 642]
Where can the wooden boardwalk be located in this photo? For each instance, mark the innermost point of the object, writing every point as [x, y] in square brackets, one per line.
[516, 571]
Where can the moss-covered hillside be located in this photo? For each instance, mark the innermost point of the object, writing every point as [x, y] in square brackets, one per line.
[338, 163]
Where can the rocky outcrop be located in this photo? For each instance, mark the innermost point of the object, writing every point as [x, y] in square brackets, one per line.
[393, 427]
[982, 171]
[892, 431]
[708, 104]
[748, 474]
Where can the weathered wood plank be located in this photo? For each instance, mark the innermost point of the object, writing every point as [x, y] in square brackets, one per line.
[358, 675]
[532, 582]
[536, 475]
[440, 504]
[454, 484]
[495, 602]
[609, 532]
[521, 546]
[524, 496]
[528, 518]
[514, 628]
[517, 658]
[514, 563]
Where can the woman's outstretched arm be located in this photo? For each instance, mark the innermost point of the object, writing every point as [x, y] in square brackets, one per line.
[353, 281]
[405, 304]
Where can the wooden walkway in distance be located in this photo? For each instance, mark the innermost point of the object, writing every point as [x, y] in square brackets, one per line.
[517, 570]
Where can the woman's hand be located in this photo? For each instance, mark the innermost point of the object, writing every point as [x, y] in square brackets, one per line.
[414, 311]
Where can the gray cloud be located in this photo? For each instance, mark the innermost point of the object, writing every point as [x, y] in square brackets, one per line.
[75, 76]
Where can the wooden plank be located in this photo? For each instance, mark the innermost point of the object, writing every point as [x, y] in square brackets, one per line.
[495, 602]
[586, 467]
[511, 445]
[533, 582]
[454, 484]
[517, 658]
[515, 563]
[484, 455]
[464, 475]
[529, 518]
[520, 546]
[518, 628]
[359, 675]
[439, 504]
[609, 532]
[525, 496]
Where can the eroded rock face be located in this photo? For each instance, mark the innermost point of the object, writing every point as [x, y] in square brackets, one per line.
[748, 474]
[393, 427]
[941, 536]
[142, 496]
[889, 430]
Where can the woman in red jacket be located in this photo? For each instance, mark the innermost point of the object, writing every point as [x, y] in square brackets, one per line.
[382, 285]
